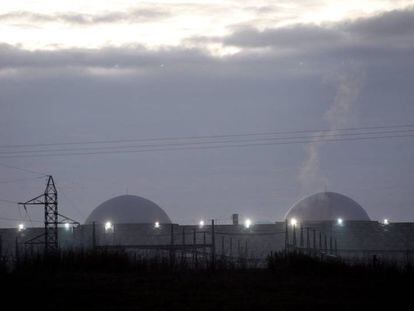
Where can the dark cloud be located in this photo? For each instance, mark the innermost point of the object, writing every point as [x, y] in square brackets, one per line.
[283, 38]
[394, 23]
[368, 40]
[132, 92]
[129, 57]
[387, 30]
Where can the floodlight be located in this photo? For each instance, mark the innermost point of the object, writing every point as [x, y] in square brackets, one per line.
[247, 223]
[109, 226]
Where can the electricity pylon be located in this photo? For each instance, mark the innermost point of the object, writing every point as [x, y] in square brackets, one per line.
[49, 199]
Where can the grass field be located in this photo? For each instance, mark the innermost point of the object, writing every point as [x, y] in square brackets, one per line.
[113, 282]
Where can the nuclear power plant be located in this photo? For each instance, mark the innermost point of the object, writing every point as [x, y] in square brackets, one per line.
[322, 224]
[128, 209]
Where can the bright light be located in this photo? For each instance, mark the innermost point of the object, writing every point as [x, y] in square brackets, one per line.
[293, 222]
[108, 226]
[67, 226]
[385, 221]
[201, 223]
[247, 223]
[20, 227]
[156, 225]
[340, 221]
[57, 27]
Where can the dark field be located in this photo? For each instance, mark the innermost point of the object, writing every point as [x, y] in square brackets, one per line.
[112, 282]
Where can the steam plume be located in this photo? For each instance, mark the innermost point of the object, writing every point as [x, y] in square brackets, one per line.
[339, 115]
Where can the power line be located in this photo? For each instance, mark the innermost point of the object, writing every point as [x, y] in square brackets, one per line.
[206, 136]
[22, 169]
[71, 202]
[28, 216]
[234, 144]
[315, 137]
[8, 201]
[18, 180]
[19, 219]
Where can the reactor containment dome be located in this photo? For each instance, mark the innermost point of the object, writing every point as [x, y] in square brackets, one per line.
[327, 206]
[127, 209]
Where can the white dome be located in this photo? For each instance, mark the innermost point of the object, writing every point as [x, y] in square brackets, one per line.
[128, 209]
[327, 206]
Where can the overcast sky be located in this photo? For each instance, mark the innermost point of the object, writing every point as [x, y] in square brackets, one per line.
[74, 71]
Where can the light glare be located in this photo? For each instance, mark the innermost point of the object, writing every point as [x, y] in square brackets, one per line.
[20, 227]
[201, 223]
[247, 223]
[293, 222]
[108, 226]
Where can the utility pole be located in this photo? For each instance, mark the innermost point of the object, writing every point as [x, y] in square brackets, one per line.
[301, 237]
[93, 236]
[286, 236]
[183, 243]
[195, 250]
[294, 237]
[172, 251]
[314, 240]
[213, 245]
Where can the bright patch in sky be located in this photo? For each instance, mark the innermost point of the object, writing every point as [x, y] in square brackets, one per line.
[52, 24]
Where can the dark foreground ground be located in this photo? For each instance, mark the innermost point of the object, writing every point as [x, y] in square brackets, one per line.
[287, 284]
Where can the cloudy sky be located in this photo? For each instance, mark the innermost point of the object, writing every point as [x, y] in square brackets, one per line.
[84, 84]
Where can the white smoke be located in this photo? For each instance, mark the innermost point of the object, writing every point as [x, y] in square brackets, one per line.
[339, 115]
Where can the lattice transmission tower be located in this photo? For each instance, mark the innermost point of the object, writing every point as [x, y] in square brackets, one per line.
[52, 218]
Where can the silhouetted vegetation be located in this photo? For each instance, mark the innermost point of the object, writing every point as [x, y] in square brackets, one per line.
[301, 264]
[120, 281]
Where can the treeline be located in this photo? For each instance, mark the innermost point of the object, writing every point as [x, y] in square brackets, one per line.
[104, 261]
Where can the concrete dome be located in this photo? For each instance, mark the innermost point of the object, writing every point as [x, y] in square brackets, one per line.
[327, 206]
[128, 209]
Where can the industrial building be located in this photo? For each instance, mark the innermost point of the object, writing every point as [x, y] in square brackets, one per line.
[326, 224]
